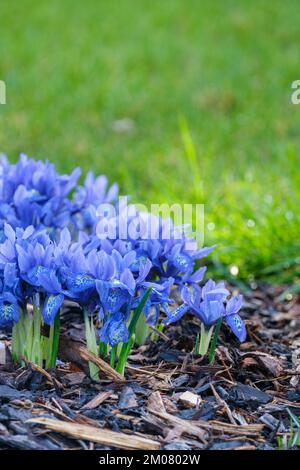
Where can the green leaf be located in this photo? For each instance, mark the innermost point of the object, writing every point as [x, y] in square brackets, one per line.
[214, 341]
[294, 417]
[138, 311]
[91, 342]
[126, 348]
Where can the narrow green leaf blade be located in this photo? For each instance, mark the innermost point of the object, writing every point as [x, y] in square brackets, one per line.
[214, 341]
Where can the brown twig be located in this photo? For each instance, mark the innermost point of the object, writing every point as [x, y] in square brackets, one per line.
[101, 436]
[223, 403]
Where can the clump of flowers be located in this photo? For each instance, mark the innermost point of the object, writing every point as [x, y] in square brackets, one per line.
[58, 242]
[211, 306]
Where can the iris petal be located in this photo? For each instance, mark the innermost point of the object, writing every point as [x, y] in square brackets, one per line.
[8, 314]
[237, 326]
[118, 333]
[176, 314]
[51, 307]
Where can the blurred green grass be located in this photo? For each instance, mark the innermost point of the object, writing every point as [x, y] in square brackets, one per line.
[105, 85]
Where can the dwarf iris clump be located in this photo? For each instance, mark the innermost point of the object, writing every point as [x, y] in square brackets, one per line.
[58, 243]
[211, 306]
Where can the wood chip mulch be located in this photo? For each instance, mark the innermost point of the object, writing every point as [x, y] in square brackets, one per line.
[169, 398]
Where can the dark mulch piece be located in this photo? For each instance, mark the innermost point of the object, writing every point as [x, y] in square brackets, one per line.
[170, 399]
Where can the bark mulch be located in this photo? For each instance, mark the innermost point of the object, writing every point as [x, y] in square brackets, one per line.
[169, 398]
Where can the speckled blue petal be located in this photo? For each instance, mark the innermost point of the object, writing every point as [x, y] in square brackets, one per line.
[112, 294]
[114, 330]
[176, 314]
[237, 326]
[9, 313]
[33, 275]
[115, 299]
[51, 306]
[80, 283]
[182, 262]
[118, 333]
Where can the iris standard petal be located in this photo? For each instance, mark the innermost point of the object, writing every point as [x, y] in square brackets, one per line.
[214, 312]
[198, 275]
[234, 305]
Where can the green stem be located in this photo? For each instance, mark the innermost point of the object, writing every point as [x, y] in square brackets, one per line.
[22, 337]
[126, 348]
[91, 342]
[16, 341]
[28, 341]
[205, 337]
[142, 330]
[214, 341]
[36, 352]
[26, 331]
[154, 335]
[103, 349]
[113, 352]
[125, 351]
[138, 311]
[54, 341]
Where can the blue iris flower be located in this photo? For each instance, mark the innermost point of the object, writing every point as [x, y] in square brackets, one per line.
[115, 282]
[114, 293]
[39, 254]
[159, 299]
[88, 197]
[47, 279]
[114, 330]
[33, 193]
[35, 256]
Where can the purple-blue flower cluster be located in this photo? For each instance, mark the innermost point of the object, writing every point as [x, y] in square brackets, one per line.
[58, 242]
[33, 193]
[210, 304]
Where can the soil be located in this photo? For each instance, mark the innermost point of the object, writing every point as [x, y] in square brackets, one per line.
[169, 398]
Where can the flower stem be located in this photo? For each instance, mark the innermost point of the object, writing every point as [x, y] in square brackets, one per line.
[154, 335]
[36, 352]
[103, 349]
[91, 342]
[112, 359]
[142, 330]
[205, 337]
[54, 341]
[125, 351]
[126, 347]
[29, 342]
[214, 342]
[16, 338]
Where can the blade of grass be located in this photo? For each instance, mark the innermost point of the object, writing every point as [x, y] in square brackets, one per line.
[191, 156]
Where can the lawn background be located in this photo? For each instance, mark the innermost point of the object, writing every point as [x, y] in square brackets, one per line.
[110, 85]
